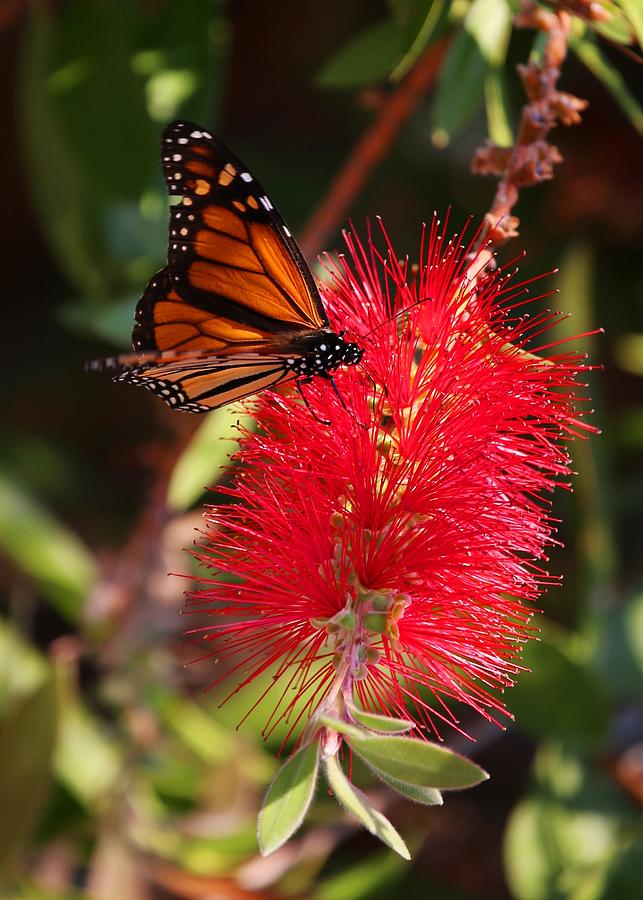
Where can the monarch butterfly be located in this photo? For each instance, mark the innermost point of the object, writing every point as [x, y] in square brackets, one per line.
[236, 309]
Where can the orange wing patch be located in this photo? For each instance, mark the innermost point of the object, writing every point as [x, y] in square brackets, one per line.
[280, 266]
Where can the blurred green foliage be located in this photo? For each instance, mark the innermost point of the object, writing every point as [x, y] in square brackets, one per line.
[118, 776]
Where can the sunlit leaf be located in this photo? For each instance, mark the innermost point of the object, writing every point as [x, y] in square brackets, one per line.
[22, 668]
[87, 760]
[619, 27]
[419, 27]
[288, 798]
[199, 467]
[384, 724]
[480, 45]
[27, 739]
[45, 550]
[359, 806]
[367, 58]
[417, 762]
[341, 726]
[633, 10]
[425, 795]
[497, 111]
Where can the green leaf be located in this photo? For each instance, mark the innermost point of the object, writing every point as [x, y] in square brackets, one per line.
[45, 550]
[342, 727]
[417, 762]
[559, 697]
[288, 798]
[87, 760]
[480, 45]
[384, 724]
[358, 806]
[199, 466]
[425, 795]
[592, 57]
[416, 35]
[22, 667]
[27, 742]
[367, 58]
[633, 10]
[497, 111]
[619, 28]
[489, 24]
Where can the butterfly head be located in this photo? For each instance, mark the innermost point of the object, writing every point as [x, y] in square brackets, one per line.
[352, 353]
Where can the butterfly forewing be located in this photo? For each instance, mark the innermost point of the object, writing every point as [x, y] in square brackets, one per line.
[234, 272]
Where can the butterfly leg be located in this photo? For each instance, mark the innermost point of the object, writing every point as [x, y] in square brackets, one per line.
[306, 379]
[341, 399]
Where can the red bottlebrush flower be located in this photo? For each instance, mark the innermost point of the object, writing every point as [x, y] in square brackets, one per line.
[389, 561]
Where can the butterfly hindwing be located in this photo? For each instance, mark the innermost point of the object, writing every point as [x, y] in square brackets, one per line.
[200, 384]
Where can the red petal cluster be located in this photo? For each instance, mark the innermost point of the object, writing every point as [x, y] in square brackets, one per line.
[393, 556]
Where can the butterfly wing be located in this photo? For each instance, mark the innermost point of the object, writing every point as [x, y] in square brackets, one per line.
[199, 384]
[236, 280]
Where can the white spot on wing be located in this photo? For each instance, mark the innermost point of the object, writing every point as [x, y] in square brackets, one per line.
[246, 176]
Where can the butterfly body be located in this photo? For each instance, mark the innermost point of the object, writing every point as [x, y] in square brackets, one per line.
[236, 309]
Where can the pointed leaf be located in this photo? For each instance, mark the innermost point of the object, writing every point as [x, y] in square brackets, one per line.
[342, 727]
[367, 58]
[480, 45]
[497, 109]
[418, 33]
[384, 724]
[619, 27]
[26, 748]
[417, 762]
[288, 798]
[425, 795]
[358, 806]
[633, 9]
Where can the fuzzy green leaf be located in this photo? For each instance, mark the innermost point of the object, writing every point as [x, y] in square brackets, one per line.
[288, 798]
[416, 762]
[342, 727]
[384, 724]
[426, 795]
[358, 806]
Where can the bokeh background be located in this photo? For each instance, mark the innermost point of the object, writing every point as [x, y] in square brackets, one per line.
[120, 777]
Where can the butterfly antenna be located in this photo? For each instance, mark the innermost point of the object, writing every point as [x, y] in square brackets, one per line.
[397, 314]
